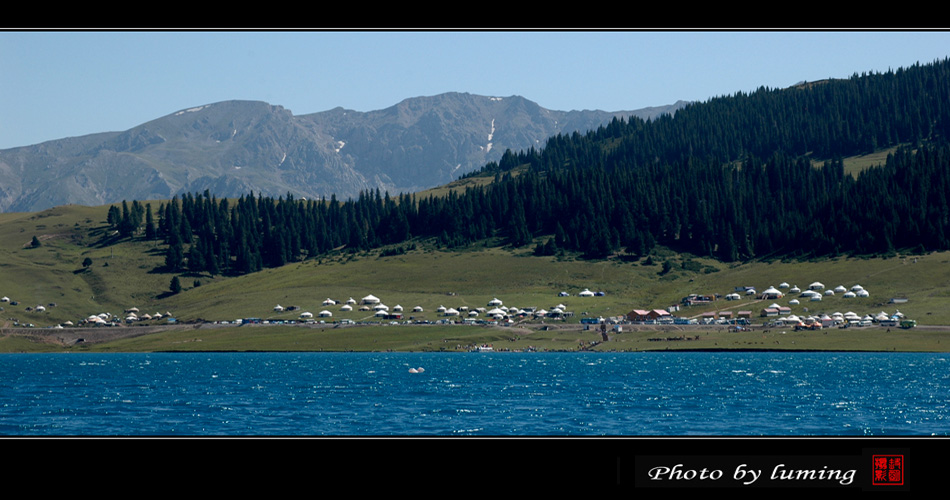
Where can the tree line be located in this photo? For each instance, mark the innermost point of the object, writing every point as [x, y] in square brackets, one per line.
[734, 178]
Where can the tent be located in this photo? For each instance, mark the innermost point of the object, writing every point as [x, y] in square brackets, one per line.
[370, 299]
[586, 293]
[494, 302]
[325, 314]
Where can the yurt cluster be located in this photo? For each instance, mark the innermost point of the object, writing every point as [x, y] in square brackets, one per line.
[375, 309]
[777, 314]
[130, 316]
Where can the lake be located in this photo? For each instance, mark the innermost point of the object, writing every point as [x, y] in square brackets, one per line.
[475, 394]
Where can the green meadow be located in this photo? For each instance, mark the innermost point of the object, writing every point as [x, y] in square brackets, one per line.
[124, 274]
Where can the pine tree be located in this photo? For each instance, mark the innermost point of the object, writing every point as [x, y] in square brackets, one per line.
[150, 232]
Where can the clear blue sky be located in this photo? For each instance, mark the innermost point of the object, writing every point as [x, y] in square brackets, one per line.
[65, 84]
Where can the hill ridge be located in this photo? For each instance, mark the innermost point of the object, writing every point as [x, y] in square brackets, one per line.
[237, 146]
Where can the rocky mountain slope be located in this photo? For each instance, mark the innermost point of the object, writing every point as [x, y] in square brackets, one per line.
[237, 147]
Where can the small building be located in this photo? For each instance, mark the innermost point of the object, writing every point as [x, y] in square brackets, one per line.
[658, 314]
[638, 315]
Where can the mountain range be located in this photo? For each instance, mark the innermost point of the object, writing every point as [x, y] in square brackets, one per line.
[234, 148]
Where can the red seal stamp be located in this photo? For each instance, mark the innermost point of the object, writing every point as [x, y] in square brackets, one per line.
[887, 470]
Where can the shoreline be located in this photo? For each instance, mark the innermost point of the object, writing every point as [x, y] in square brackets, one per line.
[217, 338]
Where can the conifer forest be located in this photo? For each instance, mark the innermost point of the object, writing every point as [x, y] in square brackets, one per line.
[756, 175]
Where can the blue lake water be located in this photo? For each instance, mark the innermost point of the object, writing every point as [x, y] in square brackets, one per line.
[475, 394]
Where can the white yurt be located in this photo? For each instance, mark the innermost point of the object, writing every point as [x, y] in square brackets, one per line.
[306, 315]
[351, 301]
[278, 308]
[793, 302]
[441, 309]
[816, 285]
[380, 313]
[329, 302]
[771, 293]
[829, 292]
[451, 312]
[494, 303]
[325, 314]
[840, 289]
[586, 293]
[370, 299]
[855, 288]
[417, 309]
[862, 293]
[346, 307]
[381, 307]
[849, 295]
[795, 289]
[783, 285]
[398, 308]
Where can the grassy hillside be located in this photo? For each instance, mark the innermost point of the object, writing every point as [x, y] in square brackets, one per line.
[128, 275]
